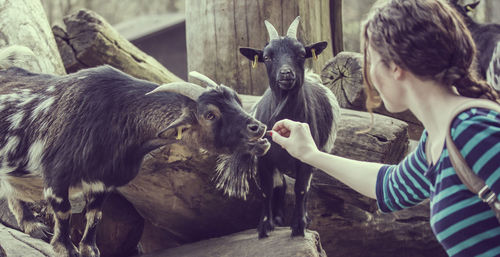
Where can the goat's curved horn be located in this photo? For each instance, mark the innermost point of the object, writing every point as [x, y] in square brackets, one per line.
[203, 78]
[273, 34]
[292, 30]
[190, 90]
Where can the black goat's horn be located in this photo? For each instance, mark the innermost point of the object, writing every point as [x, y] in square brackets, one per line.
[207, 80]
[273, 34]
[190, 90]
[292, 30]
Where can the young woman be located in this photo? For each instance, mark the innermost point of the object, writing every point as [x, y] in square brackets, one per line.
[419, 56]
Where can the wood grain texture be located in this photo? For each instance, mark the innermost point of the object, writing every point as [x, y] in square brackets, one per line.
[247, 244]
[90, 41]
[23, 22]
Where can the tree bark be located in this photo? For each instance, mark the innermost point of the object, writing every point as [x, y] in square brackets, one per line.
[247, 244]
[343, 74]
[215, 29]
[23, 22]
[91, 41]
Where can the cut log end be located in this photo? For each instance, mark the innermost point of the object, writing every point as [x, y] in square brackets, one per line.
[343, 74]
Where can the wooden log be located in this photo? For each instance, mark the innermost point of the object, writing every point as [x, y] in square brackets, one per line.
[247, 244]
[14, 243]
[90, 41]
[215, 29]
[343, 74]
[23, 22]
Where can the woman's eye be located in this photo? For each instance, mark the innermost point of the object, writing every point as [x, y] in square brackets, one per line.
[209, 116]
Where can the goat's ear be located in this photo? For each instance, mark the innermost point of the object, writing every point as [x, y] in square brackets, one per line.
[176, 129]
[471, 7]
[250, 53]
[318, 48]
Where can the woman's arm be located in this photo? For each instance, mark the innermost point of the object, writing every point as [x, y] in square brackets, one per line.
[359, 175]
[297, 140]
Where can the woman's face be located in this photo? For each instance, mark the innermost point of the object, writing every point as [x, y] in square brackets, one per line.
[383, 78]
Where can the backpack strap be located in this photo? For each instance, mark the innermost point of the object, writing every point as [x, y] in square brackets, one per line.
[473, 182]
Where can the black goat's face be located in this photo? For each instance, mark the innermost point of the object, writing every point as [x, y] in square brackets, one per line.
[284, 57]
[219, 124]
[225, 123]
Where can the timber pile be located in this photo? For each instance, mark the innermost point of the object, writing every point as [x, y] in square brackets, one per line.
[174, 200]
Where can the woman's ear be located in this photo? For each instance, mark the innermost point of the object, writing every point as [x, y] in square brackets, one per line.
[397, 72]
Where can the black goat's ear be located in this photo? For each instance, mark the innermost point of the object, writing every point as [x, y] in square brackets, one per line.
[471, 7]
[250, 53]
[315, 49]
[179, 126]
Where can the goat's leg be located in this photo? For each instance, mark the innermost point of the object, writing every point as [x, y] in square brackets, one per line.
[302, 185]
[279, 195]
[93, 215]
[26, 220]
[59, 202]
[266, 223]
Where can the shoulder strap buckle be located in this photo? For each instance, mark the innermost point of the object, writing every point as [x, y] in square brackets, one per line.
[487, 195]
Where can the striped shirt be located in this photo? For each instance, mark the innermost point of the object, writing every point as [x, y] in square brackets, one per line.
[461, 222]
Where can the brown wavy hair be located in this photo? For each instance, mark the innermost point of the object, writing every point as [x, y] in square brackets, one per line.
[428, 38]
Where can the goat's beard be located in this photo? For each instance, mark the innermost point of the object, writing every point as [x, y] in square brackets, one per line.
[234, 172]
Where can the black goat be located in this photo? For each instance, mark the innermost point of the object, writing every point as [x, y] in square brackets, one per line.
[487, 38]
[293, 94]
[90, 131]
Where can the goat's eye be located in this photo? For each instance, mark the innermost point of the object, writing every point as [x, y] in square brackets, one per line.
[209, 116]
[302, 55]
[267, 58]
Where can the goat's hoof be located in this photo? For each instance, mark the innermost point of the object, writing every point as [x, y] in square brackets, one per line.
[265, 227]
[65, 249]
[37, 230]
[89, 251]
[298, 227]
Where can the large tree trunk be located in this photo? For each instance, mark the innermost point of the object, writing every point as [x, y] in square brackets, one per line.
[215, 29]
[91, 41]
[343, 74]
[23, 22]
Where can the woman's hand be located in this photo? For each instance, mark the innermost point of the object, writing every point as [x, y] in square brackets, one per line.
[295, 137]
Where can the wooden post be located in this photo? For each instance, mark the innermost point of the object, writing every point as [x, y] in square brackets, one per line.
[215, 29]
[336, 26]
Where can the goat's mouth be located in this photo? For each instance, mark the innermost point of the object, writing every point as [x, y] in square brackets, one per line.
[286, 84]
[259, 145]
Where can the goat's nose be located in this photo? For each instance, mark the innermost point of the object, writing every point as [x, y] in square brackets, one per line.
[253, 127]
[285, 71]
